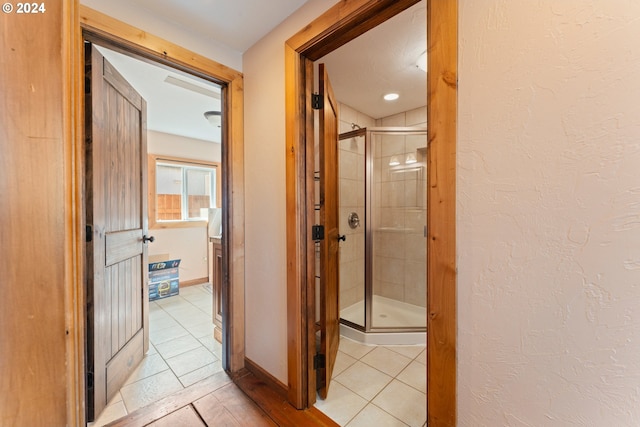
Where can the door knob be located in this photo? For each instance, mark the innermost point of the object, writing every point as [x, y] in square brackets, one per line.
[146, 239]
[343, 237]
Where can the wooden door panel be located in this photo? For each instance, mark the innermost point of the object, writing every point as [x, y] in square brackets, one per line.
[117, 291]
[329, 246]
[120, 367]
[122, 245]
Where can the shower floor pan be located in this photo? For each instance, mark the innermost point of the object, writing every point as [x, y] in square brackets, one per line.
[387, 313]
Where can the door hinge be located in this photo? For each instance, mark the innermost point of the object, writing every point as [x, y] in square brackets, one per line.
[317, 232]
[319, 361]
[89, 231]
[317, 102]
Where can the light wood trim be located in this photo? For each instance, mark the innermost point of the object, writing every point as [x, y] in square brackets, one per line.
[233, 242]
[442, 88]
[75, 315]
[37, 227]
[151, 190]
[157, 49]
[337, 26]
[296, 224]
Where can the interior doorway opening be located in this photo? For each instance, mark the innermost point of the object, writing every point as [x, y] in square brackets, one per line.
[182, 195]
[324, 35]
[106, 31]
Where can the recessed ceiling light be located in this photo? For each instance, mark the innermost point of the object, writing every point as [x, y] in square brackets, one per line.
[391, 97]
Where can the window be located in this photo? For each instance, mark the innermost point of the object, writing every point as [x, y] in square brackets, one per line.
[180, 190]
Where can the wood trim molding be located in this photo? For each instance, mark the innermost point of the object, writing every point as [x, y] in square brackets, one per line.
[337, 26]
[123, 34]
[133, 40]
[342, 23]
[233, 275]
[272, 382]
[73, 69]
[442, 93]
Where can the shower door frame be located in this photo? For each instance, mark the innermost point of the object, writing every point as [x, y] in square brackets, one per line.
[368, 216]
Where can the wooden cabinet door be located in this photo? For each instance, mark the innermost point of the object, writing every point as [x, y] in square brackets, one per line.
[117, 265]
[329, 246]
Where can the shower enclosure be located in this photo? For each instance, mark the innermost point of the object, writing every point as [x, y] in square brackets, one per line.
[383, 187]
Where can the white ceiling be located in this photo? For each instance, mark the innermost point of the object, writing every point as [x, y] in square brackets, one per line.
[238, 24]
[380, 61]
[174, 109]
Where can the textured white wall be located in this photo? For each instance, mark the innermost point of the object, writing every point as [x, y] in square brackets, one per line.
[548, 221]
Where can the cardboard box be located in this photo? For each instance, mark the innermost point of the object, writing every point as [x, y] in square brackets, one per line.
[164, 279]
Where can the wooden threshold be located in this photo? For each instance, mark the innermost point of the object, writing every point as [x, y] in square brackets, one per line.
[174, 402]
[277, 406]
[244, 400]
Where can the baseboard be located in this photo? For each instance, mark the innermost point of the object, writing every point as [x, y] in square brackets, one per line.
[266, 377]
[185, 283]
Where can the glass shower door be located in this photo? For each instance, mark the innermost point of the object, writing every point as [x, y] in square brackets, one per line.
[397, 213]
[351, 159]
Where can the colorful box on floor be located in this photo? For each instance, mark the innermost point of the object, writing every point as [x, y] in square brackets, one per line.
[163, 279]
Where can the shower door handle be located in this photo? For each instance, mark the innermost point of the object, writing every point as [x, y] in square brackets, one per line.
[343, 237]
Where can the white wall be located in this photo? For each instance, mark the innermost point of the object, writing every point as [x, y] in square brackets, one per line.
[265, 256]
[187, 244]
[145, 20]
[548, 219]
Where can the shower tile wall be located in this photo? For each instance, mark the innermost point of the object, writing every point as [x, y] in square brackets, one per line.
[400, 214]
[351, 177]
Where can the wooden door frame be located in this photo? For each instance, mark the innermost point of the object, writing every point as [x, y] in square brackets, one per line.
[340, 24]
[83, 19]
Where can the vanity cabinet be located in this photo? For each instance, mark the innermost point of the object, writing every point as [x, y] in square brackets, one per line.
[215, 268]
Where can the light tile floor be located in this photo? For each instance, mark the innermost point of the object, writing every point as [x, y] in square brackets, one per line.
[372, 385]
[377, 386]
[182, 351]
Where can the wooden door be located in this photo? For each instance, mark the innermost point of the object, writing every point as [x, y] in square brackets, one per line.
[117, 272]
[329, 246]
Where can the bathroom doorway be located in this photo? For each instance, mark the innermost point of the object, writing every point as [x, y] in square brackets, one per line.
[302, 49]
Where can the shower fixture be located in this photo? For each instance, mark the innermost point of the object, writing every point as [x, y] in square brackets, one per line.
[354, 220]
[355, 126]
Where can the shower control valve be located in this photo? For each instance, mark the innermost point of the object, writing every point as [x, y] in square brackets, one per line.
[353, 220]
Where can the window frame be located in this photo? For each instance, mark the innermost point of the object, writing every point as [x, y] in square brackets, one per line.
[153, 160]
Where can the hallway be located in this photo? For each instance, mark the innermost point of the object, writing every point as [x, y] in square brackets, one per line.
[181, 381]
